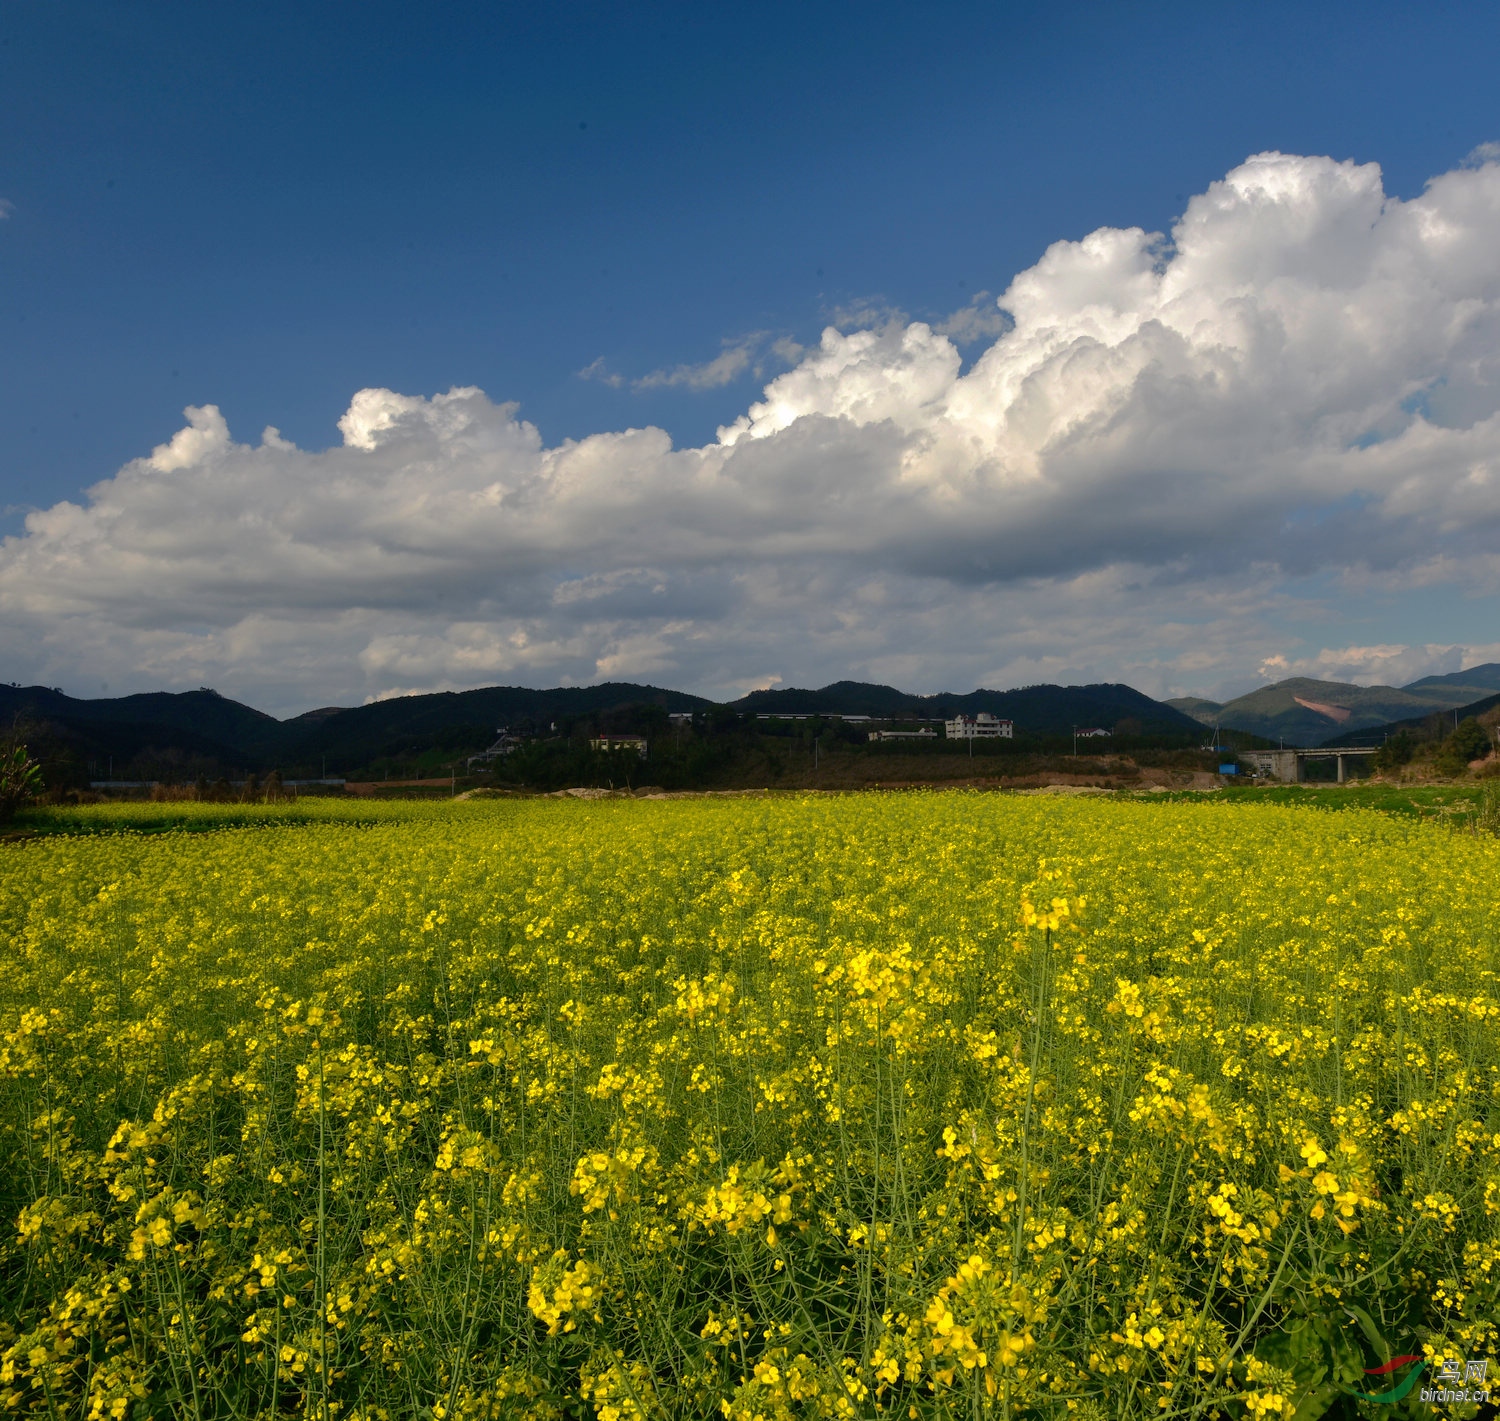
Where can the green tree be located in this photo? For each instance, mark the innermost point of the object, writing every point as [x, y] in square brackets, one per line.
[1469, 741]
[1396, 751]
[20, 775]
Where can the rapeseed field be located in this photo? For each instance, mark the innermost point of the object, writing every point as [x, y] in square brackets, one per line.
[926, 1105]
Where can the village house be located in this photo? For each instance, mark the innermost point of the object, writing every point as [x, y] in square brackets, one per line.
[983, 726]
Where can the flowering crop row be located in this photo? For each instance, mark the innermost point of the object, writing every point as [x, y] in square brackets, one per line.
[910, 1105]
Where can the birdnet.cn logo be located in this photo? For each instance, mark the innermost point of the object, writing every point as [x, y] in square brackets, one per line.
[1456, 1382]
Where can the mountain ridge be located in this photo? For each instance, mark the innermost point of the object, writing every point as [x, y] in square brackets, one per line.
[1034, 709]
[1432, 726]
[190, 732]
[1301, 711]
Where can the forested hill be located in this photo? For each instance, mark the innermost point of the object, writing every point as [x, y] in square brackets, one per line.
[1049, 710]
[200, 724]
[161, 732]
[1433, 726]
[1299, 711]
[167, 735]
[365, 732]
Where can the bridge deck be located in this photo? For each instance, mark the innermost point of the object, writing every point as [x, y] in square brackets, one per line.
[1287, 765]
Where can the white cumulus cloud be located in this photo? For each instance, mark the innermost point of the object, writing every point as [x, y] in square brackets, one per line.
[1392, 664]
[1168, 439]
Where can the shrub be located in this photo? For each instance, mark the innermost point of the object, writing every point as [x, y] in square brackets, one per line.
[1396, 751]
[1469, 741]
[20, 775]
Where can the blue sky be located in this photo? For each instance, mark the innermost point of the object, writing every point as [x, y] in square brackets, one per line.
[269, 208]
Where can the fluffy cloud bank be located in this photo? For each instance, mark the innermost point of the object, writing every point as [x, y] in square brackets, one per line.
[1299, 386]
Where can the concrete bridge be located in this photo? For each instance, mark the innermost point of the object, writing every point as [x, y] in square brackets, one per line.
[1289, 766]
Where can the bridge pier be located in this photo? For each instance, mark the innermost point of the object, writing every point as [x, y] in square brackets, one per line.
[1290, 766]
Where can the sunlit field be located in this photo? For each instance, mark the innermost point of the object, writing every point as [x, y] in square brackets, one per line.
[917, 1105]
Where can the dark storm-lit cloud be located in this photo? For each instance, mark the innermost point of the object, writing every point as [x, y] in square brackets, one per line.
[1302, 379]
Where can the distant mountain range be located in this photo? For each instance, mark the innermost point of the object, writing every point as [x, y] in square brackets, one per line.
[1304, 712]
[1432, 726]
[1473, 684]
[202, 731]
[1036, 710]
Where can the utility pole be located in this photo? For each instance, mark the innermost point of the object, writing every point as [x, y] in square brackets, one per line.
[1075, 742]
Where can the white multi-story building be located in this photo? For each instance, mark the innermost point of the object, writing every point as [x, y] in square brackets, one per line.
[925, 733]
[983, 726]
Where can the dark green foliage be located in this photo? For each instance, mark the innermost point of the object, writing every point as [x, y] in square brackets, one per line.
[567, 763]
[1396, 751]
[463, 737]
[470, 720]
[1470, 741]
[1435, 725]
[20, 775]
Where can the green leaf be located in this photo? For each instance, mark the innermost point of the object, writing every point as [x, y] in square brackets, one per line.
[1316, 1402]
[1367, 1326]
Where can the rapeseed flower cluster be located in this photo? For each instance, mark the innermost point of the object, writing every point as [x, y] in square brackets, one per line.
[904, 1105]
